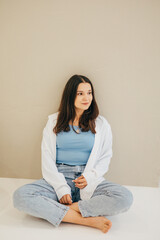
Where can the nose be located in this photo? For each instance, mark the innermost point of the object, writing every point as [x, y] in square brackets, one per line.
[85, 97]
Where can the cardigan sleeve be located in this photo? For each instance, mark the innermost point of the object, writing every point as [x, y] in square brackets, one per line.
[104, 155]
[48, 162]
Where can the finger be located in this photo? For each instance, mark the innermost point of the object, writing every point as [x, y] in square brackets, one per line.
[65, 199]
[61, 200]
[81, 185]
[80, 181]
[77, 179]
[81, 177]
[69, 200]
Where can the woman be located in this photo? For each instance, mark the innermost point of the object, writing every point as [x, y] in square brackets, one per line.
[76, 151]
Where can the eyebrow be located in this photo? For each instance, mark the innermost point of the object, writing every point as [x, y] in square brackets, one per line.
[88, 91]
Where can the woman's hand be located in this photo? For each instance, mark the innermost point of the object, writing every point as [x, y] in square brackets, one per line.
[80, 182]
[66, 199]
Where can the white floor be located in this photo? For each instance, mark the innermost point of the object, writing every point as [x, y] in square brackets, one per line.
[141, 222]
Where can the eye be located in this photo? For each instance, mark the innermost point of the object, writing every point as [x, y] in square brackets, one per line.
[82, 93]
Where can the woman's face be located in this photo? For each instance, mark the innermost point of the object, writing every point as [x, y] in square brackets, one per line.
[84, 97]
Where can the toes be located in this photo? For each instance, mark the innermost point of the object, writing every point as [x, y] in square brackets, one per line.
[105, 229]
[109, 223]
[109, 226]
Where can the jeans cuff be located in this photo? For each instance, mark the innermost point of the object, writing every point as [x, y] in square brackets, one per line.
[82, 209]
[64, 211]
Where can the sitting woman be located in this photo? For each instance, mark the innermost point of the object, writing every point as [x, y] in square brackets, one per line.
[76, 151]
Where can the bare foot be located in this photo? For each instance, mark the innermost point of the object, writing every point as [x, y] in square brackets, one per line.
[101, 223]
[74, 216]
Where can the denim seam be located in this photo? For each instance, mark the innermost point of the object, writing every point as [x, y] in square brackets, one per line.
[63, 208]
[62, 216]
[64, 211]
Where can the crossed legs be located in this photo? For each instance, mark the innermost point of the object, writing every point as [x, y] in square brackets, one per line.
[40, 200]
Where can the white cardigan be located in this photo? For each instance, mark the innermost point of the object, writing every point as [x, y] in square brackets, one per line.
[96, 167]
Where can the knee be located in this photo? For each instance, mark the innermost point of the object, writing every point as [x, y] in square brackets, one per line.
[123, 200]
[18, 196]
[126, 199]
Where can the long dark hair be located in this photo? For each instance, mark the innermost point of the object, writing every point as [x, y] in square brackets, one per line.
[67, 109]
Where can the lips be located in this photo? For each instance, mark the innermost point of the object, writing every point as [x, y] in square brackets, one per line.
[85, 103]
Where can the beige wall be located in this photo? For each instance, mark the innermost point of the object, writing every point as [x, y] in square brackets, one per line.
[116, 44]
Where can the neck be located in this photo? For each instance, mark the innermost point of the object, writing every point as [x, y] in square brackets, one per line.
[76, 121]
[78, 114]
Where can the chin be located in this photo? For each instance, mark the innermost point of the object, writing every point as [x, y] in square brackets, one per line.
[85, 107]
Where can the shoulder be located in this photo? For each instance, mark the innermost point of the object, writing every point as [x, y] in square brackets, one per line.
[52, 119]
[102, 122]
[103, 127]
[53, 116]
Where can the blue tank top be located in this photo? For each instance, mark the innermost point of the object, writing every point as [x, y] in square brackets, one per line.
[73, 148]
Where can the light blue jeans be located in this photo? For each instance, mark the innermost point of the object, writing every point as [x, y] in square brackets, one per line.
[39, 198]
